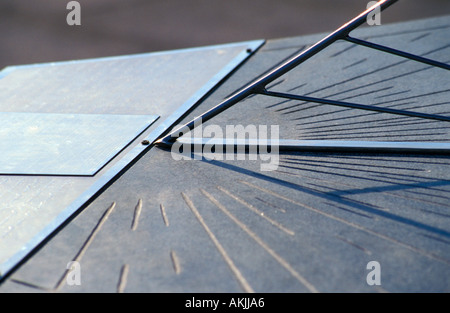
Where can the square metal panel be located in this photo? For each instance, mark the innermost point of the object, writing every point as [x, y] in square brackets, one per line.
[65, 144]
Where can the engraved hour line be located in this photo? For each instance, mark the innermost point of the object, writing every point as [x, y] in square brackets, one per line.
[137, 214]
[175, 262]
[241, 279]
[123, 278]
[348, 223]
[164, 214]
[256, 211]
[410, 197]
[258, 240]
[87, 243]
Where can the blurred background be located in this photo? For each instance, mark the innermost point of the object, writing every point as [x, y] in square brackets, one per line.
[34, 31]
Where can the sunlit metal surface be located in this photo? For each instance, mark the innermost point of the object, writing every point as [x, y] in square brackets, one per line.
[65, 144]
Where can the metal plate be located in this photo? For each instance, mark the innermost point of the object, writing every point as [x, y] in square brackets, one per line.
[32, 207]
[317, 145]
[65, 144]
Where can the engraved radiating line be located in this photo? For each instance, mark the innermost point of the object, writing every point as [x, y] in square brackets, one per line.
[406, 119]
[348, 223]
[420, 37]
[175, 262]
[391, 120]
[255, 237]
[355, 63]
[385, 189]
[358, 95]
[385, 177]
[340, 118]
[393, 123]
[346, 49]
[337, 197]
[351, 211]
[408, 73]
[87, 243]
[271, 204]
[396, 160]
[388, 67]
[347, 241]
[373, 128]
[299, 49]
[395, 119]
[406, 32]
[240, 278]
[353, 167]
[258, 212]
[328, 125]
[26, 213]
[328, 96]
[410, 197]
[358, 77]
[349, 136]
[372, 72]
[393, 94]
[416, 96]
[122, 283]
[137, 214]
[380, 289]
[332, 126]
[391, 167]
[163, 214]
[393, 177]
[274, 66]
[397, 176]
[287, 100]
[297, 87]
[436, 238]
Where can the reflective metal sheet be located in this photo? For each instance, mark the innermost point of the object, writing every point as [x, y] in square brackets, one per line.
[65, 144]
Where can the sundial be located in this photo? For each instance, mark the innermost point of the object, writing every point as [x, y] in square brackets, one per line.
[361, 173]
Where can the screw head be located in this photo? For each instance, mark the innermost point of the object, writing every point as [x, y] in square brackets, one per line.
[145, 142]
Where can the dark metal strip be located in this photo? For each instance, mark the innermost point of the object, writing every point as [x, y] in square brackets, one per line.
[397, 52]
[357, 106]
